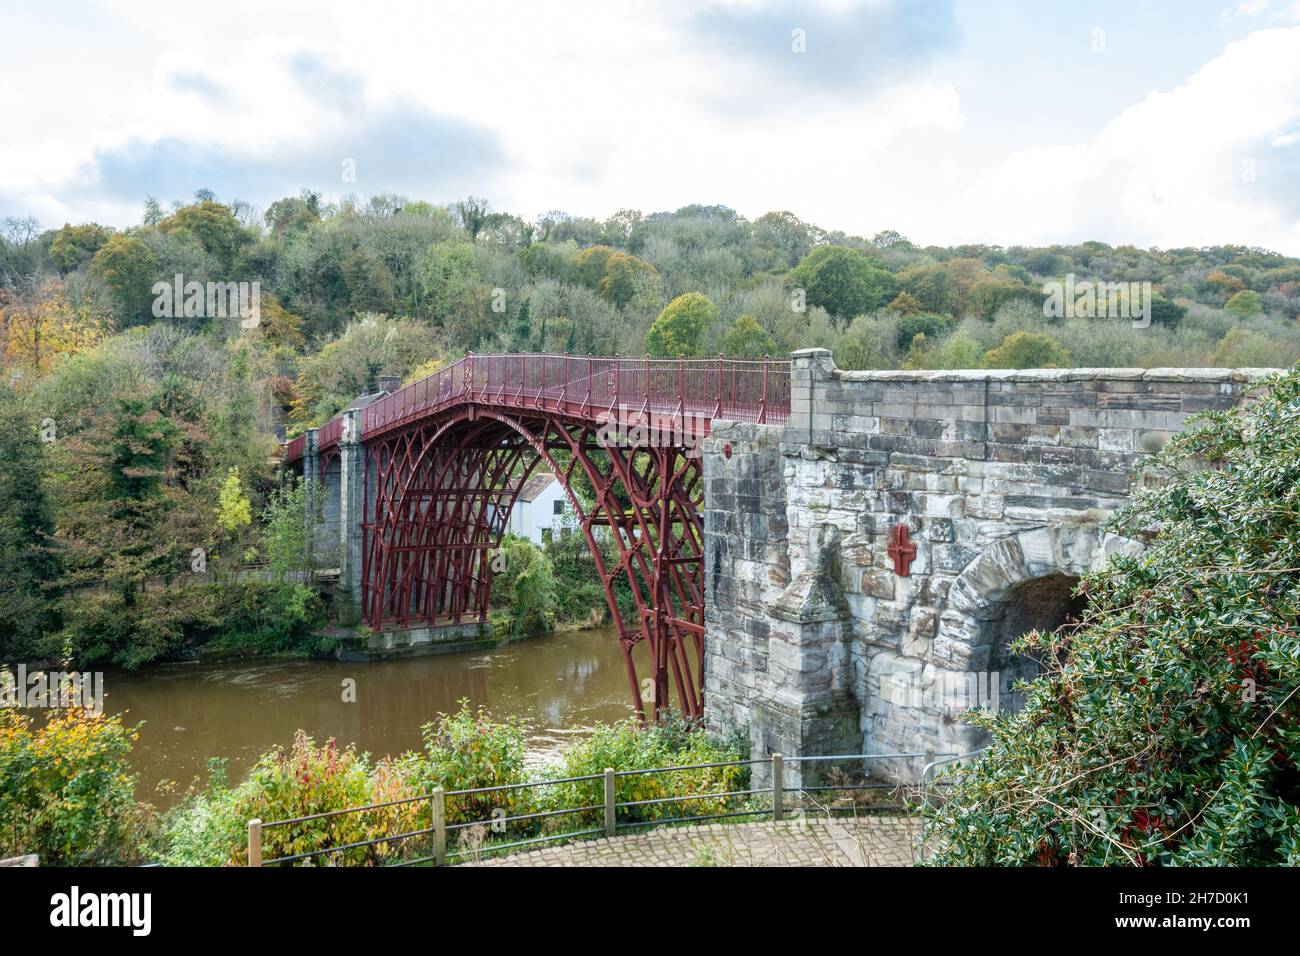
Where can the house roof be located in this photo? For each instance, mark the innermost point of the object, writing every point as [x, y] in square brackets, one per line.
[535, 485]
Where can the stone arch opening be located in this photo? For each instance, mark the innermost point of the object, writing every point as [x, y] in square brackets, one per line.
[1039, 604]
[1017, 584]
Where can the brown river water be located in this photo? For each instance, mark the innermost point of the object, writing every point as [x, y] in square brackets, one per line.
[560, 685]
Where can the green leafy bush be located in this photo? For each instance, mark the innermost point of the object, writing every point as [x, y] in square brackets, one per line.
[468, 750]
[629, 746]
[66, 793]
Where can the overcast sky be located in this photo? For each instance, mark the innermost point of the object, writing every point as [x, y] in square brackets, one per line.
[1157, 123]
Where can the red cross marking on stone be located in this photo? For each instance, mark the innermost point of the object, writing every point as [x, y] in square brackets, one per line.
[901, 551]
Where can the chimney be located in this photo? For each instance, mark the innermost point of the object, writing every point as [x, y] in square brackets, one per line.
[389, 383]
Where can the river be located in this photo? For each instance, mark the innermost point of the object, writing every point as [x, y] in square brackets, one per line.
[559, 685]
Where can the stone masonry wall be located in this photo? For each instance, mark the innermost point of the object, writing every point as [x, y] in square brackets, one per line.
[1002, 478]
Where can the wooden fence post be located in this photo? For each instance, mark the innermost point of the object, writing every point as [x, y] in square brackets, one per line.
[611, 818]
[439, 827]
[255, 842]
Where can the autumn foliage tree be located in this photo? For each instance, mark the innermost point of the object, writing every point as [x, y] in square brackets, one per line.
[40, 326]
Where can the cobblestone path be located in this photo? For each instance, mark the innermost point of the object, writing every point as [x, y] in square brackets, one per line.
[868, 841]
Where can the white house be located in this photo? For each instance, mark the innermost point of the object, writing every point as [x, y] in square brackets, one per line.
[540, 510]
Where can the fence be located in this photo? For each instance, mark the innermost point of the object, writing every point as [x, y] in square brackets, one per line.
[603, 815]
[586, 386]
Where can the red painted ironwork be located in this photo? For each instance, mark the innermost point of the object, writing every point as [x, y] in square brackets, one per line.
[329, 434]
[447, 456]
[294, 447]
[901, 551]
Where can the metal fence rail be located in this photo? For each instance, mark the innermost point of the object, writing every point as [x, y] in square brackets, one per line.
[688, 393]
[770, 801]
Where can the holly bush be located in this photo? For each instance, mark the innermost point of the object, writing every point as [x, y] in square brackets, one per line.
[1164, 728]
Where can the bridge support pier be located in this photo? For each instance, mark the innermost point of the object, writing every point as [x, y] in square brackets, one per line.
[311, 487]
[352, 479]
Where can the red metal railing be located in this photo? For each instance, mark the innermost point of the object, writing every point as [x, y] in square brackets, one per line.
[589, 387]
[329, 434]
[294, 447]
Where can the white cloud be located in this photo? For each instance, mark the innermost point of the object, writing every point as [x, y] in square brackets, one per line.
[1209, 162]
[641, 104]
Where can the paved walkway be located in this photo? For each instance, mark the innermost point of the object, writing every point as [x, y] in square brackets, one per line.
[868, 841]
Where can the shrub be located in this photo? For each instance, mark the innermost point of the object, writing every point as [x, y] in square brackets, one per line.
[629, 746]
[1166, 729]
[262, 617]
[306, 780]
[66, 793]
[468, 750]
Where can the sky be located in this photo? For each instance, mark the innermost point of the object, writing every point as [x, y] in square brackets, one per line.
[1157, 124]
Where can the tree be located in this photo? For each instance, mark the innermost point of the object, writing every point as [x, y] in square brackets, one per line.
[1166, 313]
[234, 512]
[445, 274]
[473, 214]
[1166, 728]
[210, 224]
[40, 326]
[679, 327]
[1027, 350]
[73, 246]
[28, 564]
[1245, 304]
[930, 325]
[905, 304]
[590, 265]
[129, 268]
[350, 366]
[843, 281]
[285, 538]
[619, 283]
[747, 339]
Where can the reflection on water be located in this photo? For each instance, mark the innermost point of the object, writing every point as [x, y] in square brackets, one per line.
[558, 685]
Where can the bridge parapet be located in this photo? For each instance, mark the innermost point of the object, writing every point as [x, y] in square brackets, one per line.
[963, 505]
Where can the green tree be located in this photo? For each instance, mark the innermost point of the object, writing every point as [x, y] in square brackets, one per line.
[129, 268]
[1027, 350]
[1166, 313]
[27, 562]
[843, 281]
[1166, 728]
[680, 326]
[285, 538]
[75, 245]
[1245, 303]
[212, 225]
[747, 339]
[234, 511]
[620, 280]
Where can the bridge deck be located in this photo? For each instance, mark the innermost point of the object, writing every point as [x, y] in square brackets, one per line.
[683, 394]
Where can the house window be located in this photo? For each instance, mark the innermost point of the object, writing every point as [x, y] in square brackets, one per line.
[559, 506]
